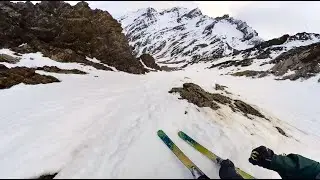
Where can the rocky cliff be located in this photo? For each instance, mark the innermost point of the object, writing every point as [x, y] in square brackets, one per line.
[66, 33]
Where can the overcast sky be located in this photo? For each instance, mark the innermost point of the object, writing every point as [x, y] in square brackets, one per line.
[269, 18]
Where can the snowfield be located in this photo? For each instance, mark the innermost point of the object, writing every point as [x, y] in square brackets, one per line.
[104, 124]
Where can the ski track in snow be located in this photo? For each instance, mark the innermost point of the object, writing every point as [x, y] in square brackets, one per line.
[105, 126]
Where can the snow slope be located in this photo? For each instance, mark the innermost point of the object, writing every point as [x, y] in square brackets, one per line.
[37, 60]
[105, 126]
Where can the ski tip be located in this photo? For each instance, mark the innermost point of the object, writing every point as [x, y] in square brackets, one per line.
[180, 133]
[160, 132]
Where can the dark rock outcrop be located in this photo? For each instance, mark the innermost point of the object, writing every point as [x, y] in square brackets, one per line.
[220, 87]
[66, 33]
[198, 96]
[169, 69]
[149, 61]
[242, 63]
[55, 69]
[264, 49]
[46, 176]
[281, 131]
[10, 77]
[8, 59]
[304, 61]
[247, 109]
[251, 73]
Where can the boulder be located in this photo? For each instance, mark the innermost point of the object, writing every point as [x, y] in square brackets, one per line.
[196, 95]
[149, 61]
[220, 87]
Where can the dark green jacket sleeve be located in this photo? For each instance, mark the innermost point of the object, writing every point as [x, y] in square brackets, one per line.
[295, 166]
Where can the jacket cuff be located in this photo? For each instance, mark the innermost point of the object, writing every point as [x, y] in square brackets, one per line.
[274, 163]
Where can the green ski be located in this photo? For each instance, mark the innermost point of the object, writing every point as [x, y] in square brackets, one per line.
[209, 154]
[196, 172]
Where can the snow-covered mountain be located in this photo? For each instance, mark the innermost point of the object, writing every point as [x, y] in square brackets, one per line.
[179, 34]
[82, 106]
[181, 37]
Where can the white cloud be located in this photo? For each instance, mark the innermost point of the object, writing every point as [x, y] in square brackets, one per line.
[219, 8]
[270, 18]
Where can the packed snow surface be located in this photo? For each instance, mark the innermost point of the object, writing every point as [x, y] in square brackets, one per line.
[104, 124]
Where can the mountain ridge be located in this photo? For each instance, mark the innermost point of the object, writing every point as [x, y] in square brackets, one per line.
[166, 34]
[143, 31]
[182, 37]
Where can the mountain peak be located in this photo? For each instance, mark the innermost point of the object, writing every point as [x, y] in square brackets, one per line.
[149, 12]
[195, 12]
[150, 9]
[181, 33]
[176, 10]
[226, 16]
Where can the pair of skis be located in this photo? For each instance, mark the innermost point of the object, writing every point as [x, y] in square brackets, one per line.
[196, 172]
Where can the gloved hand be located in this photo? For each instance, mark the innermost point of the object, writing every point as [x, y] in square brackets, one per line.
[261, 156]
[228, 171]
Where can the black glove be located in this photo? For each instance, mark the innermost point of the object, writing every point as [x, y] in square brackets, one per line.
[228, 171]
[261, 156]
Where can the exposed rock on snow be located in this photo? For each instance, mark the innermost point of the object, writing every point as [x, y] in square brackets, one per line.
[66, 33]
[250, 73]
[198, 96]
[149, 61]
[304, 61]
[168, 69]
[8, 59]
[68, 55]
[55, 69]
[220, 87]
[247, 109]
[10, 77]
[236, 63]
[47, 176]
[281, 131]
